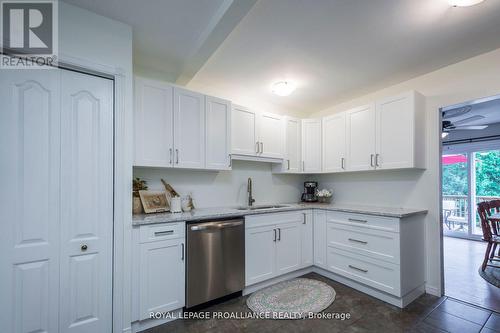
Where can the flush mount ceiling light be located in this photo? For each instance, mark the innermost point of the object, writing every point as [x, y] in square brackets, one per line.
[464, 3]
[283, 88]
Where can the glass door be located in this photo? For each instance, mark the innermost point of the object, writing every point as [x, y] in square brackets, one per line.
[470, 174]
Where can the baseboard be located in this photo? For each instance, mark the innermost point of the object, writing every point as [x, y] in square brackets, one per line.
[432, 290]
[267, 283]
[400, 302]
[142, 325]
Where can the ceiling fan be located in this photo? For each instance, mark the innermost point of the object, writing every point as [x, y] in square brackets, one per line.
[450, 125]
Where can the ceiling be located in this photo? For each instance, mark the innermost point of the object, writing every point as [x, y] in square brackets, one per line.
[489, 109]
[333, 50]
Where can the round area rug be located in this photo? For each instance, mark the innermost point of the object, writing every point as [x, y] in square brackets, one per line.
[293, 299]
[491, 275]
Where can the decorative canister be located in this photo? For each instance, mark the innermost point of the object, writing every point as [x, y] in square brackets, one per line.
[175, 205]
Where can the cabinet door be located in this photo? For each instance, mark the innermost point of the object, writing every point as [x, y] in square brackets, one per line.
[320, 245]
[87, 203]
[311, 145]
[243, 131]
[153, 123]
[161, 276]
[288, 247]
[293, 148]
[189, 129]
[361, 138]
[270, 129]
[218, 133]
[334, 143]
[395, 126]
[306, 234]
[260, 259]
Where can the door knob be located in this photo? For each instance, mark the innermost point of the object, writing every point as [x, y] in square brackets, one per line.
[84, 247]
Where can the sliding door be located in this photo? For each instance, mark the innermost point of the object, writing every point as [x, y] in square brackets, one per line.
[471, 174]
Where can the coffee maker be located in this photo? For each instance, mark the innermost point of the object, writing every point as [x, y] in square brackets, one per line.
[309, 194]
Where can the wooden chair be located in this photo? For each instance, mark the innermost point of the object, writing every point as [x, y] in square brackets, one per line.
[490, 230]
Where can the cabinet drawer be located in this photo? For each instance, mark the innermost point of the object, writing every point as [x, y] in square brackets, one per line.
[374, 273]
[365, 221]
[158, 232]
[373, 243]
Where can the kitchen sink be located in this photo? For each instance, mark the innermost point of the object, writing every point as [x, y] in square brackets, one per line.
[261, 207]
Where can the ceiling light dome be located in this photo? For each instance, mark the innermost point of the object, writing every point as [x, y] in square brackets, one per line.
[464, 3]
[283, 88]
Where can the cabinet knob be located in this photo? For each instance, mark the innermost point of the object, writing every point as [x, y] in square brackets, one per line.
[84, 247]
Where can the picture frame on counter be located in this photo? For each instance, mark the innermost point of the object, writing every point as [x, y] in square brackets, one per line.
[154, 201]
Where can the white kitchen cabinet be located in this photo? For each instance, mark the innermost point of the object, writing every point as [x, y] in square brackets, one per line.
[270, 130]
[400, 132]
[288, 247]
[161, 276]
[292, 162]
[218, 133]
[189, 129]
[153, 123]
[361, 138]
[272, 245]
[244, 131]
[260, 258]
[334, 143]
[306, 234]
[311, 145]
[319, 238]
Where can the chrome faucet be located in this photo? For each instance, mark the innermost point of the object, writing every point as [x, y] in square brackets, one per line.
[249, 190]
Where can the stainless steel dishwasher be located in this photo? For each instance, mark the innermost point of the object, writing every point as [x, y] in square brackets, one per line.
[215, 260]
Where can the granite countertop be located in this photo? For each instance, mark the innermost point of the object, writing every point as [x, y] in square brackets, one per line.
[228, 212]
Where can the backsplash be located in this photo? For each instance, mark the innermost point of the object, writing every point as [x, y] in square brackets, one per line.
[227, 188]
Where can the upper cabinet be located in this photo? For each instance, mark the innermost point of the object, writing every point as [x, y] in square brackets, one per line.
[334, 143]
[400, 132]
[218, 133]
[311, 145]
[153, 115]
[256, 134]
[175, 127]
[392, 134]
[244, 131]
[189, 129]
[361, 138]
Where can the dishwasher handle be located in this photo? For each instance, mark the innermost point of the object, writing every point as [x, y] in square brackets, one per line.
[215, 225]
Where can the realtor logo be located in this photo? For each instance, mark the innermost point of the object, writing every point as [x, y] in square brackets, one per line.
[29, 34]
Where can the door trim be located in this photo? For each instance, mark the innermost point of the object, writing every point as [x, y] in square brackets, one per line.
[122, 179]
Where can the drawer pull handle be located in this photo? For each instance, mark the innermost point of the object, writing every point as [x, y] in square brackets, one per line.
[358, 269]
[357, 220]
[163, 233]
[357, 241]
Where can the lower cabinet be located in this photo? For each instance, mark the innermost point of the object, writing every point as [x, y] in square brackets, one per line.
[319, 238]
[306, 234]
[159, 268]
[274, 245]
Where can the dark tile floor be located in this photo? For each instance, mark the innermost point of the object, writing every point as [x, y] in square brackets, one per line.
[426, 314]
[462, 259]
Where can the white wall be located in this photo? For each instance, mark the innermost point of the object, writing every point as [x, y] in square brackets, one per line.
[227, 188]
[470, 79]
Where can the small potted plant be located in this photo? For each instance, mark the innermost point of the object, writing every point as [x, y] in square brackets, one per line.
[138, 185]
[324, 196]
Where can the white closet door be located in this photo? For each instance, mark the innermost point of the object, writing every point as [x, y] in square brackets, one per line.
[218, 133]
[29, 200]
[86, 203]
[189, 129]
